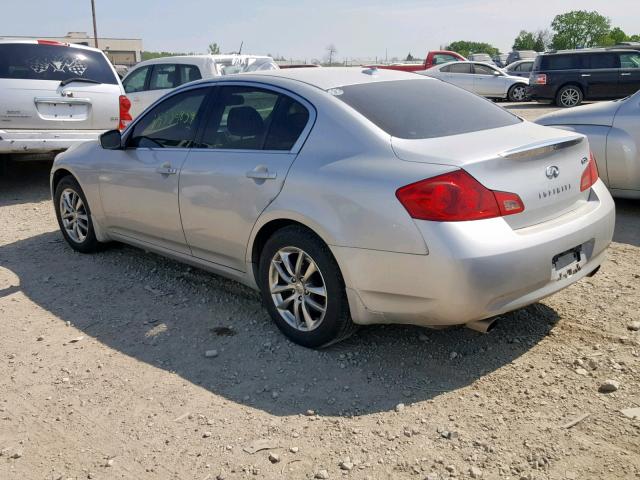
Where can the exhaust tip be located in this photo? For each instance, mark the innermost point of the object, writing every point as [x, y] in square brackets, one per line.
[482, 326]
[592, 273]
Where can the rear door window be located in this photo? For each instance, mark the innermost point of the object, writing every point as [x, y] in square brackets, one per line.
[137, 80]
[604, 60]
[164, 76]
[423, 108]
[189, 73]
[480, 69]
[561, 62]
[460, 68]
[630, 60]
[35, 61]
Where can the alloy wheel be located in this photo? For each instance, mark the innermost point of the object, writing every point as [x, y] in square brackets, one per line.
[519, 93]
[75, 219]
[297, 288]
[569, 97]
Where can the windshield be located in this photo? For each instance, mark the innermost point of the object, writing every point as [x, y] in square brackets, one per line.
[423, 108]
[31, 61]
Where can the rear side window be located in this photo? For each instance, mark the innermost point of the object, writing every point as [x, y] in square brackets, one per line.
[416, 109]
[459, 68]
[480, 69]
[189, 73]
[30, 61]
[561, 62]
[630, 60]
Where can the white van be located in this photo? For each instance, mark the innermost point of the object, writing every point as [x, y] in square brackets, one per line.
[149, 80]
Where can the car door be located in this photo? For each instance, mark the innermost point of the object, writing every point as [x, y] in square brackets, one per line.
[623, 146]
[629, 81]
[459, 74]
[602, 76]
[139, 184]
[487, 81]
[238, 166]
[135, 84]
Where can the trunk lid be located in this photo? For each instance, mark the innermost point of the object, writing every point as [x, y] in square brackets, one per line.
[542, 165]
[55, 86]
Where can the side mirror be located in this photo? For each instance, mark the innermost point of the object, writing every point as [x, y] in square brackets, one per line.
[497, 73]
[111, 140]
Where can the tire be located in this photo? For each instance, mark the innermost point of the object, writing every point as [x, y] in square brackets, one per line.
[291, 250]
[569, 96]
[82, 237]
[517, 92]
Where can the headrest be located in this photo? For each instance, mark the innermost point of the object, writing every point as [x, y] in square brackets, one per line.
[244, 122]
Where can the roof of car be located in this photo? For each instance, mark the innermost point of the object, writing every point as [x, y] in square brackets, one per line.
[587, 50]
[9, 40]
[326, 78]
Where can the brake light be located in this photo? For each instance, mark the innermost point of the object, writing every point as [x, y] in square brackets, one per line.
[125, 116]
[590, 174]
[540, 79]
[51, 42]
[456, 197]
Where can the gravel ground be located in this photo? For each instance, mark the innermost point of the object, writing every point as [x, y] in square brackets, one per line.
[103, 374]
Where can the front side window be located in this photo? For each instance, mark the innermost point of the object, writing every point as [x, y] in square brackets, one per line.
[630, 60]
[35, 61]
[164, 76]
[250, 118]
[460, 68]
[526, 66]
[480, 69]
[171, 123]
[423, 108]
[562, 62]
[136, 81]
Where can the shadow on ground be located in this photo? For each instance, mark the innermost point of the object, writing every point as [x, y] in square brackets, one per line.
[167, 315]
[627, 222]
[24, 181]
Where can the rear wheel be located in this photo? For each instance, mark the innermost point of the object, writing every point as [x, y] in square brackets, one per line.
[74, 216]
[517, 93]
[569, 96]
[303, 288]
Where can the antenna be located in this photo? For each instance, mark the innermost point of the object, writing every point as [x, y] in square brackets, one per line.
[240, 51]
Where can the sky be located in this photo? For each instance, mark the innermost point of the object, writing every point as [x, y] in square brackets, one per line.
[303, 29]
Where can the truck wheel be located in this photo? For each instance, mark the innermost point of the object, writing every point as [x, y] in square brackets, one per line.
[569, 96]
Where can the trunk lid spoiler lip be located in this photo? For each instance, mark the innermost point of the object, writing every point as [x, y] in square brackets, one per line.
[544, 147]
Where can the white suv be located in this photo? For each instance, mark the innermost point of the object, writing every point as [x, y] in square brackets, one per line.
[54, 95]
[151, 79]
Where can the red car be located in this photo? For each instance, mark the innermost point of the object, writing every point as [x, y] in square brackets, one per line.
[435, 57]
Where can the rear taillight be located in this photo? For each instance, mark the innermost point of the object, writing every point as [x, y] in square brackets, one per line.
[52, 42]
[125, 116]
[456, 197]
[539, 79]
[590, 174]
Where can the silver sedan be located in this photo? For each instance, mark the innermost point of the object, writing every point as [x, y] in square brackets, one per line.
[481, 78]
[613, 129]
[346, 196]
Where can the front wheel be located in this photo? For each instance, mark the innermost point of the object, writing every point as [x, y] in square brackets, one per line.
[303, 289]
[517, 93]
[569, 96]
[74, 216]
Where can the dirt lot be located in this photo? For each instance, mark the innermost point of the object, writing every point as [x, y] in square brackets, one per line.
[103, 374]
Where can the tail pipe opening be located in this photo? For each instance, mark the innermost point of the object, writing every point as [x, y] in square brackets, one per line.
[482, 326]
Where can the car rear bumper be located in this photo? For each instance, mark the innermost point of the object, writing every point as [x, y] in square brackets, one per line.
[541, 92]
[474, 270]
[43, 141]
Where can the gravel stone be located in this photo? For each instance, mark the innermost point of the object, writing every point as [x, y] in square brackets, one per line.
[609, 386]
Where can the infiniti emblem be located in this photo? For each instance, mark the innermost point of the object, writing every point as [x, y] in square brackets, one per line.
[552, 172]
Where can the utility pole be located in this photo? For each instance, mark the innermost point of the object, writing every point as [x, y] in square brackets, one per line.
[95, 29]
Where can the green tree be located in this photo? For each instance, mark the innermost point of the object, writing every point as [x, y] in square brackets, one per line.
[410, 58]
[525, 41]
[465, 48]
[617, 35]
[579, 28]
[214, 49]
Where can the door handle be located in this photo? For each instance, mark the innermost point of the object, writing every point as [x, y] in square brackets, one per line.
[261, 173]
[166, 169]
[625, 74]
[585, 75]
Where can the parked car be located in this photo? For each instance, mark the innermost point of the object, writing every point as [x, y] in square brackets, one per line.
[500, 60]
[481, 78]
[570, 76]
[304, 184]
[516, 55]
[151, 79]
[481, 57]
[613, 129]
[55, 95]
[521, 68]
[433, 58]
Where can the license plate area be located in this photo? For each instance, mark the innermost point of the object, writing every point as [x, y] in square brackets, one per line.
[568, 263]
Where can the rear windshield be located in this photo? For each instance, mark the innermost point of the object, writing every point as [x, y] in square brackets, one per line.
[30, 61]
[423, 108]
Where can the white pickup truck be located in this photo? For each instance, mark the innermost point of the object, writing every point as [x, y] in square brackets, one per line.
[151, 79]
[54, 95]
